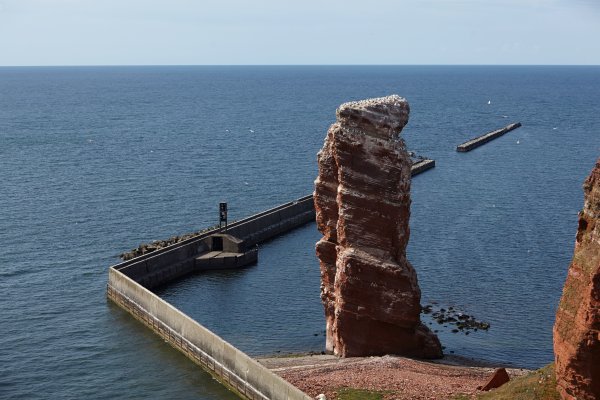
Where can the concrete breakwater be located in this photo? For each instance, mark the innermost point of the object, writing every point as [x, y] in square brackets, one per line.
[129, 286]
[480, 140]
[179, 259]
[419, 166]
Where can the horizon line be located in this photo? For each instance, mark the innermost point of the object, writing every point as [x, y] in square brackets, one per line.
[294, 65]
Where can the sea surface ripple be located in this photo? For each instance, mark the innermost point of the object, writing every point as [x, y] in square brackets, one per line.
[95, 160]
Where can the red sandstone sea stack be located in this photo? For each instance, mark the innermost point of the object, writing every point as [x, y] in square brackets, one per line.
[577, 326]
[362, 199]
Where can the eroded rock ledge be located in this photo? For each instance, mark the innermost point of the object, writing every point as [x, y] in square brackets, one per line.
[362, 200]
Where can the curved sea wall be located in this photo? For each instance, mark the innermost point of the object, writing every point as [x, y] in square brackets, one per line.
[129, 286]
[231, 366]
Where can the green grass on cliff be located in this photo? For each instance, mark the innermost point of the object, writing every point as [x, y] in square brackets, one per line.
[359, 394]
[537, 385]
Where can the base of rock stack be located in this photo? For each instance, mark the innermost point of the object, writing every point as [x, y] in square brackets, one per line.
[376, 338]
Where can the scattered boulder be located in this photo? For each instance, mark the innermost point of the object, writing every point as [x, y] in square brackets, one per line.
[160, 244]
[499, 378]
[463, 322]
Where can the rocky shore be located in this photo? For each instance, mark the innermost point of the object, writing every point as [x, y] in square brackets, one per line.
[453, 317]
[393, 377]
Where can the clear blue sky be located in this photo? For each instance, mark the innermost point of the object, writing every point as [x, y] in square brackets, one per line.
[124, 32]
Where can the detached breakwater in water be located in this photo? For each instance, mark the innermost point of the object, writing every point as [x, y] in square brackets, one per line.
[483, 139]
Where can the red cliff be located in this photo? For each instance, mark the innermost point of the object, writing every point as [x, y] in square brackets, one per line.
[362, 198]
[577, 326]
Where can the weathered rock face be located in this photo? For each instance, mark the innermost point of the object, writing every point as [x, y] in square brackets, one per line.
[362, 199]
[577, 326]
[499, 378]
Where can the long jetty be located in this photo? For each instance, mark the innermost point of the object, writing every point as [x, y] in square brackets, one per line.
[483, 139]
[130, 285]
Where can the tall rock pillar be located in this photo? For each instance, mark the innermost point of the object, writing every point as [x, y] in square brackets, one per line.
[362, 198]
[577, 326]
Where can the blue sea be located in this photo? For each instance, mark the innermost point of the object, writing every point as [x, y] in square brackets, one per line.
[96, 160]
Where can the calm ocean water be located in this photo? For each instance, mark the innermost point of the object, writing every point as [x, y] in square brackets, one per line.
[94, 161]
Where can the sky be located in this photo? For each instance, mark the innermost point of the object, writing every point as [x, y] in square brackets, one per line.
[299, 32]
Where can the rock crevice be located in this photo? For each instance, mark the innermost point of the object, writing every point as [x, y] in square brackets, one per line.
[362, 200]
